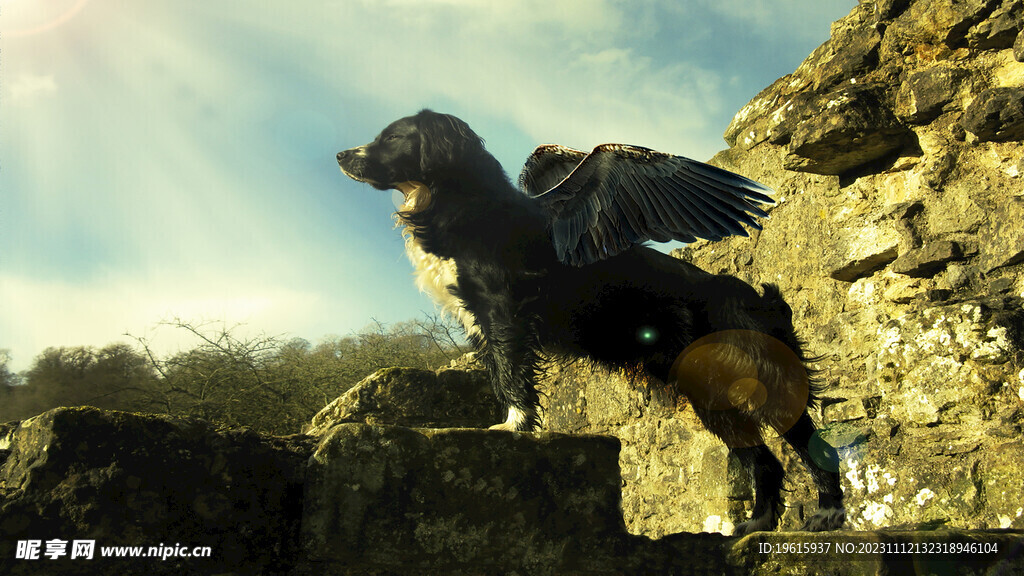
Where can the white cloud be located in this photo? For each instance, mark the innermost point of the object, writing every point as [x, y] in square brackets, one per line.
[27, 89]
[571, 72]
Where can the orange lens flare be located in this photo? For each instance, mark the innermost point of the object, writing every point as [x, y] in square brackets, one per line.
[752, 375]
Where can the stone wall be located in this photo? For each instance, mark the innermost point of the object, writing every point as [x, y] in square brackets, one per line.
[898, 238]
[162, 495]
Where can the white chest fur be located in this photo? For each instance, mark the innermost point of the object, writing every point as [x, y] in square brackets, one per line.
[434, 276]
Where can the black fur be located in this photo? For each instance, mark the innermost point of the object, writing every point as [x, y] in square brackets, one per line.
[639, 309]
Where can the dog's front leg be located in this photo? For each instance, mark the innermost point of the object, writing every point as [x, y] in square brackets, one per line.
[510, 354]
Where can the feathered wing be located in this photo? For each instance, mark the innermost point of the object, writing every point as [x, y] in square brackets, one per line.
[547, 166]
[619, 196]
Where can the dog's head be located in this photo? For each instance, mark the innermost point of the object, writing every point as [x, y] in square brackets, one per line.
[411, 149]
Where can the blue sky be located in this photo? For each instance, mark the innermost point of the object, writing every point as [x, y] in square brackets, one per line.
[164, 159]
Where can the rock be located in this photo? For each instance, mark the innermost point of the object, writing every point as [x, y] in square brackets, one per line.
[1005, 246]
[939, 22]
[956, 277]
[414, 397]
[999, 29]
[996, 115]
[451, 501]
[777, 110]
[1000, 285]
[926, 93]
[846, 411]
[131, 480]
[366, 500]
[675, 473]
[920, 353]
[858, 252]
[852, 126]
[743, 130]
[851, 52]
[935, 360]
[925, 261]
[889, 9]
[1018, 47]
[903, 291]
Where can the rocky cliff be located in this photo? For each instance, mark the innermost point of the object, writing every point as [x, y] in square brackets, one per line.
[896, 152]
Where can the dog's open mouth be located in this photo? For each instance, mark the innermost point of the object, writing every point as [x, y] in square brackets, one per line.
[416, 194]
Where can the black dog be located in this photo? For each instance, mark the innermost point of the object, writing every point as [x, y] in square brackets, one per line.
[559, 266]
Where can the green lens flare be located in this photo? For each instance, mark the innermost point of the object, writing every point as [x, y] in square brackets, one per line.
[647, 335]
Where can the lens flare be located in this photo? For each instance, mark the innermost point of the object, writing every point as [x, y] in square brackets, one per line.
[745, 382]
[34, 17]
[647, 335]
[825, 455]
[747, 394]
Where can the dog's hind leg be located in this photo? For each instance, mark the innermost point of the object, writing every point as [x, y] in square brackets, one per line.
[823, 467]
[768, 474]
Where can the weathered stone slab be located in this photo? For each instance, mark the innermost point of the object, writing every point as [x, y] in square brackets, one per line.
[939, 21]
[927, 93]
[415, 398]
[464, 501]
[926, 260]
[859, 252]
[996, 115]
[851, 127]
[124, 479]
[1000, 28]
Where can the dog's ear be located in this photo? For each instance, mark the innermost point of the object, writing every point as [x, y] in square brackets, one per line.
[444, 141]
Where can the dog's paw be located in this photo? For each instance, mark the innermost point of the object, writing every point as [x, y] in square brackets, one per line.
[761, 524]
[519, 420]
[514, 427]
[825, 519]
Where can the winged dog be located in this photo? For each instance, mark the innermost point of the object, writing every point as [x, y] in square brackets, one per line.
[559, 264]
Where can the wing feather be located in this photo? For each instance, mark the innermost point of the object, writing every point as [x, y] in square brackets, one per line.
[547, 166]
[618, 196]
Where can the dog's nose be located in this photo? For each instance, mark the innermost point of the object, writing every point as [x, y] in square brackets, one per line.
[352, 153]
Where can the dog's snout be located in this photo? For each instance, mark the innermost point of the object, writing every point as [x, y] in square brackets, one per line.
[348, 154]
[351, 153]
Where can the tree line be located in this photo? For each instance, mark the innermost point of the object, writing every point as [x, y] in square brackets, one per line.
[268, 383]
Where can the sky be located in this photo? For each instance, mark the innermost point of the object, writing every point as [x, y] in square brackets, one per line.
[165, 159]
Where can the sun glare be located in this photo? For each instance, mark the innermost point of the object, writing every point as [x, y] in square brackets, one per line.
[27, 17]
